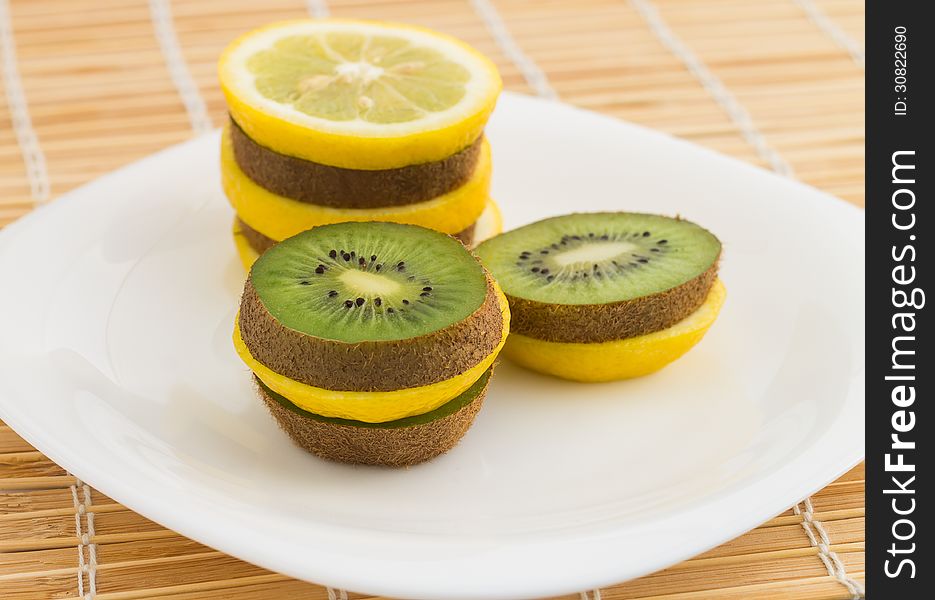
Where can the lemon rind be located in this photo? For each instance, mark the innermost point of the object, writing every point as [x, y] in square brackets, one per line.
[292, 132]
[617, 359]
[278, 217]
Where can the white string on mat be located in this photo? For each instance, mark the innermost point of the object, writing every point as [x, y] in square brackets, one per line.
[728, 103]
[318, 9]
[822, 542]
[594, 595]
[89, 568]
[531, 72]
[821, 20]
[336, 594]
[161, 15]
[37, 173]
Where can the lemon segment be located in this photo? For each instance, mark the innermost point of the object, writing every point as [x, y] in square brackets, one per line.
[618, 359]
[245, 251]
[358, 94]
[372, 407]
[279, 217]
[489, 223]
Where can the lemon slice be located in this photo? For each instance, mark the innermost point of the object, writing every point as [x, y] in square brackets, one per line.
[358, 94]
[617, 359]
[279, 217]
[488, 224]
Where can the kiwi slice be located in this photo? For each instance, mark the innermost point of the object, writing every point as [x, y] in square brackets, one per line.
[398, 443]
[595, 277]
[369, 306]
[326, 185]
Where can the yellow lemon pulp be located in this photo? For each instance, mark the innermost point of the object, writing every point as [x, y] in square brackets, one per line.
[617, 359]
[372, 407]
[245, 251]
[488, 225]
[358, 94]
[279, 217]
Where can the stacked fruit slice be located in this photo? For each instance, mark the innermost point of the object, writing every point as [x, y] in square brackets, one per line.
[603, 296]
[335, 121]
[371, 342]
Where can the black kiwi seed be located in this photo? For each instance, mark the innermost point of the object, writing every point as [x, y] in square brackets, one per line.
[378, 301]
[305, 282]
[423, 294]
[662, 242]
[427, 288]
[360, 302]
[405, 301]
[645, 234]
[390, 310]
[545, 271]
[320, 269]
[332, 293]
[333, 254]
[348, 303]
[654, 249]
[535, 269]
[373, 257]
[346, 256]
[379, 267]
[642, 260]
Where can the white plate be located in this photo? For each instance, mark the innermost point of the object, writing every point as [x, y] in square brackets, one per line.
[116, 361]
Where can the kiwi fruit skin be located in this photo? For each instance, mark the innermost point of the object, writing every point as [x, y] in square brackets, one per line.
[388, 445]
[377, 366]
[261, 243]
[326, 185]
[617, 359]
[611, 321]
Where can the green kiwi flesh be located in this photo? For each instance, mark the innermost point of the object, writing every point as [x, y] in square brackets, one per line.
[595, 277]
[326, 185]
[398, 443]
[407, 333]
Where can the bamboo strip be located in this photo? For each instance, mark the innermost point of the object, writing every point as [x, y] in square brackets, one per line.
[23, 545]
[60, 512]
[37, 483]
[19, 458]
[187, 588]
[804, 588]
[824, 516]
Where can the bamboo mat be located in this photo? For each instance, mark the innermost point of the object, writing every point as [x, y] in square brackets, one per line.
[92, 85]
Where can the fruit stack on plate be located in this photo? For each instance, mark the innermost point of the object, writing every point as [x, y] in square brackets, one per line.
[371, 343]
[605, 296]
[335, 121]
